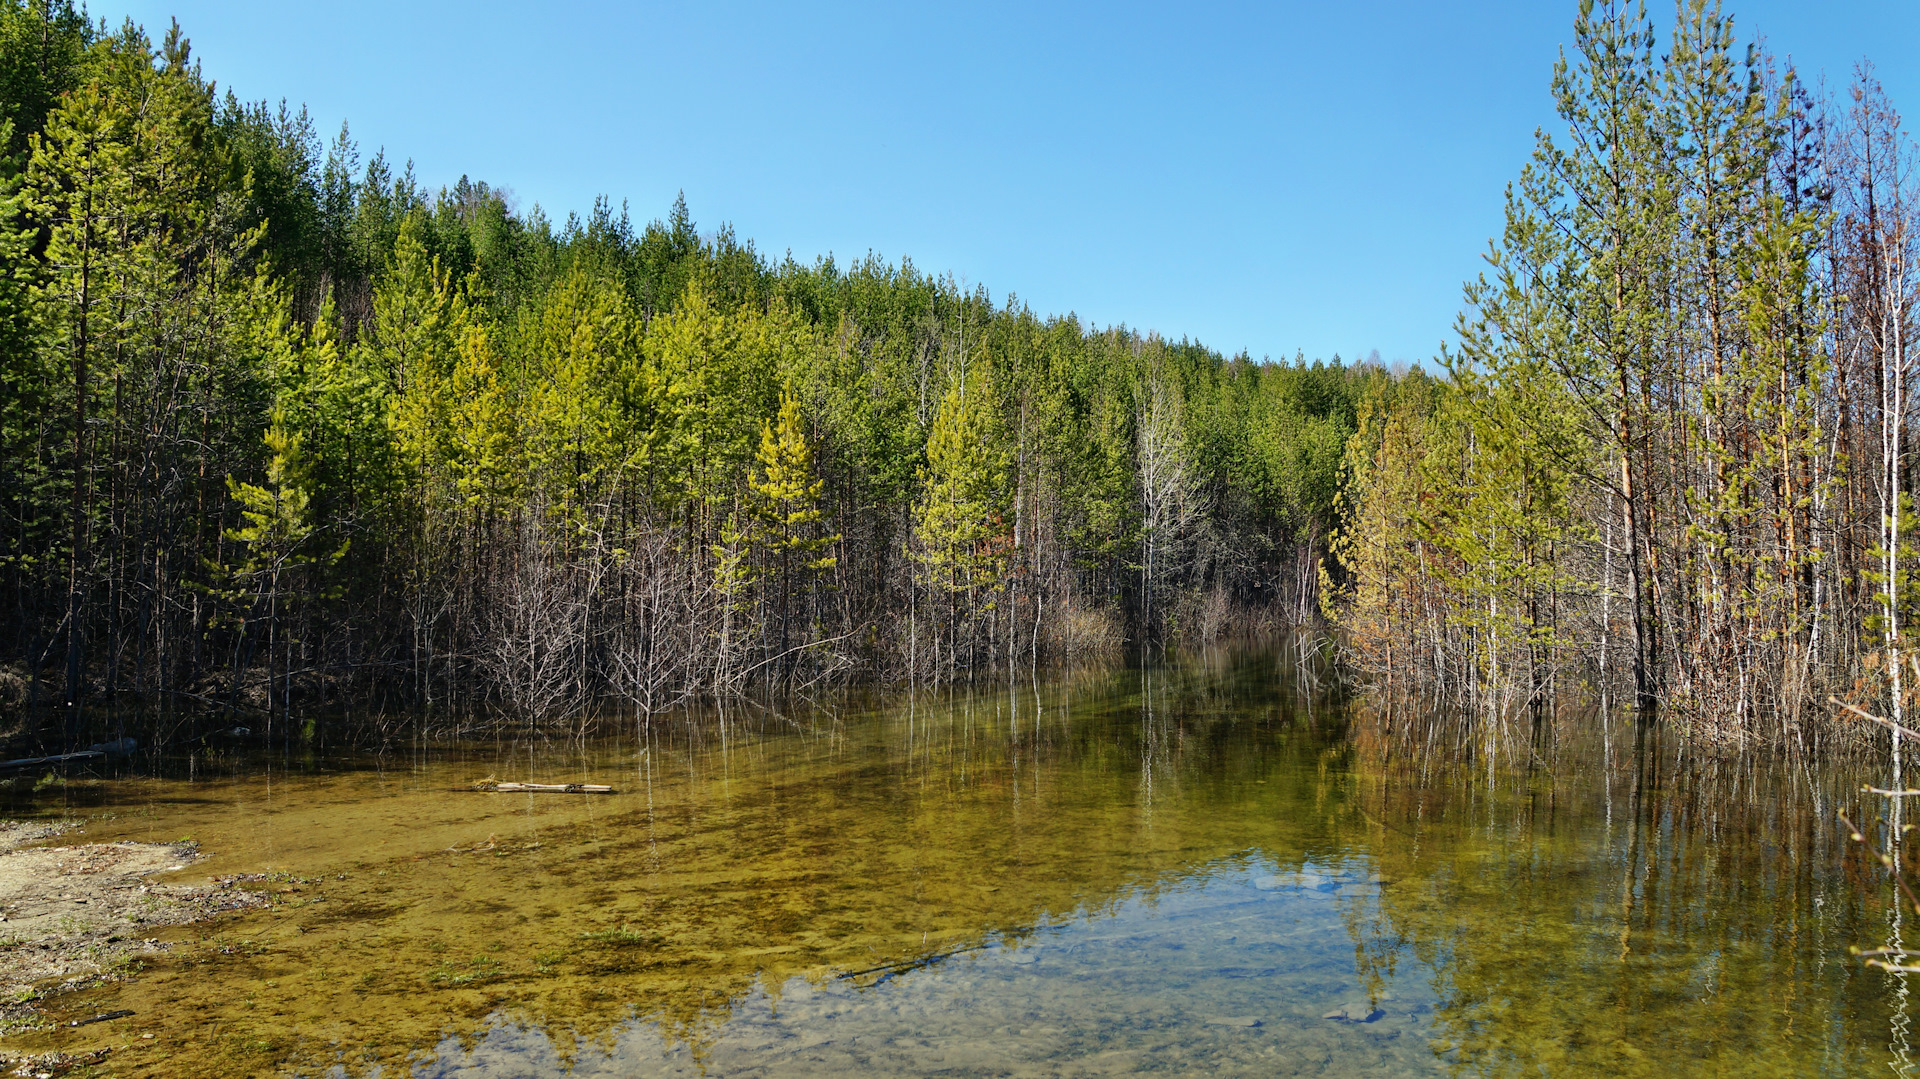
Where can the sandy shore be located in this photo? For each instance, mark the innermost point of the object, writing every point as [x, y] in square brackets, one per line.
[74, 916]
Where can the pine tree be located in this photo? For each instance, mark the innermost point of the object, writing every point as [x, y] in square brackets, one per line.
[43, 50]
[277, 533]
[787, 507]
[482, 427]
[1377, 582]
[961, 525]
[580, 355]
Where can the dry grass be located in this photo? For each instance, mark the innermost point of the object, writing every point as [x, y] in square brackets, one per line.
[1081, 635]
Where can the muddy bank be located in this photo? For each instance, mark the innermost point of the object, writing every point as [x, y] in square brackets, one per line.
[72, 917]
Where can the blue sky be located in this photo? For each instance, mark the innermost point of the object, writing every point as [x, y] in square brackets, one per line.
[1274, 177]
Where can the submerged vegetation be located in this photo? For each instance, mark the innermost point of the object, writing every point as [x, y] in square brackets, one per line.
[1198, 867]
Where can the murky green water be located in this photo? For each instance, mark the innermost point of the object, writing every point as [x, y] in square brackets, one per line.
[1180, 872]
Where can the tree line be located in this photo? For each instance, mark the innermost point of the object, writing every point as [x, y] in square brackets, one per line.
[284, 430]
[1672, 456]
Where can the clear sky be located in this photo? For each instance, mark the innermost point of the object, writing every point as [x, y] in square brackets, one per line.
[1274, 177]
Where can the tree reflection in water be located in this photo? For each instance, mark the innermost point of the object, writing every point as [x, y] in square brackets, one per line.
[1182, 869]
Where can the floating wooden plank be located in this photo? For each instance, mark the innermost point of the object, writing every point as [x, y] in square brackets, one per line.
[544, 788]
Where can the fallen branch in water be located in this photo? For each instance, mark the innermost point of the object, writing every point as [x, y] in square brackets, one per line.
[491, 787]
[57, 758]
[1870, 717]
[909, 964]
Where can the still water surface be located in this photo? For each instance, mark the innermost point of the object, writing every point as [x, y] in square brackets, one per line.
[1209, 868]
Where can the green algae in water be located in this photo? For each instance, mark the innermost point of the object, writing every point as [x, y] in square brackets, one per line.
[1175, 872]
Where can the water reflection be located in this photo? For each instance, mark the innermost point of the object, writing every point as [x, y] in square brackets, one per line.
[1202, 867]
[1695, 923]
[1229, 970]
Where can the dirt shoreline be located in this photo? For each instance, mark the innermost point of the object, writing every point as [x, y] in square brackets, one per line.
[74, 917]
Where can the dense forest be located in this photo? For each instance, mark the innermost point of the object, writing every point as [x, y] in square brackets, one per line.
[1672, 457]
[287, 432]
[284, 431]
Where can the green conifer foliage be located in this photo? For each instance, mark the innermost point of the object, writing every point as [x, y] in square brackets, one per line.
[43, 52]
[483, 442]
[718, 372]
[581, 351]
[277, 533]
[1386, 595]
[961, 522]
[788, 491]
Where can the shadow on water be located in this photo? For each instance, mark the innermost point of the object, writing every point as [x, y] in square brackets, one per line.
[1210, 865]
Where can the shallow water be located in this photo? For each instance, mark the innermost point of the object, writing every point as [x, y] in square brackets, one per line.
[1174, 871]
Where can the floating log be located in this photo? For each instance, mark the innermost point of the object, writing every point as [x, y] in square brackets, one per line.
[119, 747]
[58, 758]
[544, 788]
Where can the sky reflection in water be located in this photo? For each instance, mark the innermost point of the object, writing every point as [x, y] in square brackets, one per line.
[1231, 970]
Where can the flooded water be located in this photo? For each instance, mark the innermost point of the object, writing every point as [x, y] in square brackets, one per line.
[1199, 869]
